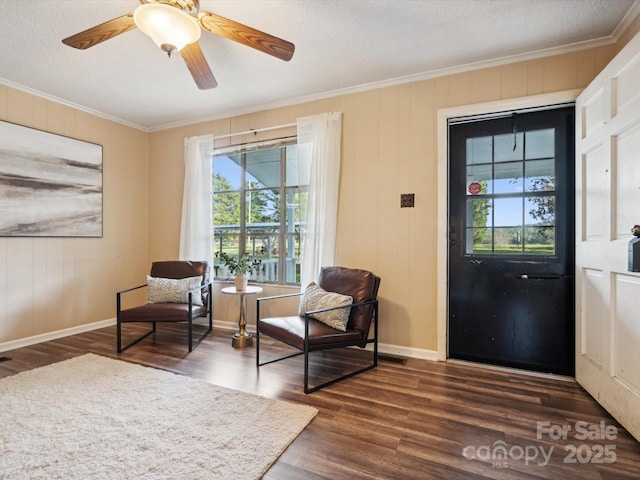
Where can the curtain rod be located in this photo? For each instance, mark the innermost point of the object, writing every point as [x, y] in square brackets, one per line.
[256, 131]
[247, 146]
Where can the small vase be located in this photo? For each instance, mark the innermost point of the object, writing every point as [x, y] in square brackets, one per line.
[241, 282]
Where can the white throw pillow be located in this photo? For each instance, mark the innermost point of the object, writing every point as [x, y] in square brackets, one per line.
[169, 290]
[316, 298]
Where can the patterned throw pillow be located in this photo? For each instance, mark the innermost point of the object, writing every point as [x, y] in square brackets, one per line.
[169, 290]
[316, 298]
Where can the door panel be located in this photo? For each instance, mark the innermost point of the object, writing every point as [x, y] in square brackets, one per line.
[511, 237]
[607, 199]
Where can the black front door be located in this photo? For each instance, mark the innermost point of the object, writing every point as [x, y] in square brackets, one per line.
[511, 240]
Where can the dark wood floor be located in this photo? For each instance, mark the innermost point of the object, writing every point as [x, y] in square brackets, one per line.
[410, 419]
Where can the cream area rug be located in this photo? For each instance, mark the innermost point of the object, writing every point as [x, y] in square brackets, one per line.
[92, 417]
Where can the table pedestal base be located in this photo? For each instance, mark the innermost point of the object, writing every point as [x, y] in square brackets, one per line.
[241, 338]
[240, 341]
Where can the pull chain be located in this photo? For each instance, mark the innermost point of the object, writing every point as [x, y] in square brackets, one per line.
[515, 137]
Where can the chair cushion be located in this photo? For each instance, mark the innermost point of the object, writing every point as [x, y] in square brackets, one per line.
[317, 298]
[183, 269]
[161, 312]
[169, 290]
[290, 330]
[361, 285]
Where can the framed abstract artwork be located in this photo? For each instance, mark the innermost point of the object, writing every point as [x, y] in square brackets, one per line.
[50, 185]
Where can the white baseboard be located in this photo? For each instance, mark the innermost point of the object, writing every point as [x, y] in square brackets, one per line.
[410, 352]
[45, 337]
[221, 324]
[231, 326]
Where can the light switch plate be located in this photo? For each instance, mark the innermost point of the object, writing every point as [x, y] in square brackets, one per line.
[407, 200]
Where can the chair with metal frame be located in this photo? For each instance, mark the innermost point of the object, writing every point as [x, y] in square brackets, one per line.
[196, 303]
[306, 334]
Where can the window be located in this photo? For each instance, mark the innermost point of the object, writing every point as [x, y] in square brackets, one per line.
[511, 193]
[259, 202]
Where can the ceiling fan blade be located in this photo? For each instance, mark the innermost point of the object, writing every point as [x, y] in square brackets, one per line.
[246, 35]
[198, 66]
[100, 33]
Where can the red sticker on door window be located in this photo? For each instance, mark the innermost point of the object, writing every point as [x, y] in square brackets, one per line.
[475, 188]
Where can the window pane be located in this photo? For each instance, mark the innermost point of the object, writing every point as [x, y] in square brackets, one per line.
[296, 205]
[539, 241]
[262, 211]
[224, 244]
[479, 212]
[540, 210]
[223, 231]
[226, 211]
[478, 240]
[540, 144]
[479, 150]
[264, 247]
[263, 168]
[297, 170]
[479, 176]
[292, 259]
[510, 208]
[508, 177]
[508, 147]
[226, 173]
[508, 241]
[507, 212]
[540, 175]
[251, 215]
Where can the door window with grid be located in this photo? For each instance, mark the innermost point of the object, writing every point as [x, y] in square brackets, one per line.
[511, 194]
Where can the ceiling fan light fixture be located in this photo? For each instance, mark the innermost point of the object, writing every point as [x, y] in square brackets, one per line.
[169, 27]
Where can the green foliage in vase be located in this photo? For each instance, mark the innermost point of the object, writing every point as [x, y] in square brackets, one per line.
[241, 265]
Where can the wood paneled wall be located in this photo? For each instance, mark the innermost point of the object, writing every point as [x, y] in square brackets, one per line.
[53, 284]
[389, 147]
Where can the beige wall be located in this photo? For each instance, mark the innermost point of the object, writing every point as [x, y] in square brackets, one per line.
[52, 284]
[389, 148]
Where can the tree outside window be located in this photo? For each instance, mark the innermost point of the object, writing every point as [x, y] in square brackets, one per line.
[258, 202]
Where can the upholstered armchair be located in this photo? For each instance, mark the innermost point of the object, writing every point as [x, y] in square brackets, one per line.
[177, 291]
[337, 312]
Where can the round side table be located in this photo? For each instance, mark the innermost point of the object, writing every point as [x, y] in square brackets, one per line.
[242, 338]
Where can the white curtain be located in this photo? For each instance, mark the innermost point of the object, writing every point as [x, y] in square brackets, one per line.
[319, 138]
[196, 232]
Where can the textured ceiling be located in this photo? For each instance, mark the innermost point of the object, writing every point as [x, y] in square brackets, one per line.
[341, 46]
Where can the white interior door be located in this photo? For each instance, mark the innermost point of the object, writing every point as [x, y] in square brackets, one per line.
[607, 207]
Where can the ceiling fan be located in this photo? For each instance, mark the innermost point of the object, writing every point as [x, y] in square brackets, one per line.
[176, 25]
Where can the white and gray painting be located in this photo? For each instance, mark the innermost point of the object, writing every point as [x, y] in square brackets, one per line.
[50, 185]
